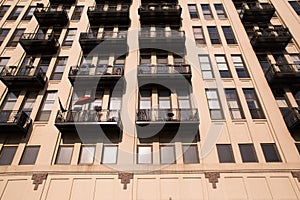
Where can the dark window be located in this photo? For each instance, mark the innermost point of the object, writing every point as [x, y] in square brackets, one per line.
[193, 11]
[253, 104]
[15, 13]
[167, 155]
[109, 154]
[87, 154]
[7, 154]
[3, 63]
[234, 104]
[46, 107]
[214, 35]
[13, 42]
[198, 35]
[3, 10]
[229, 36]
[144, 155]
[298, 147]
[59, 68]
[240, 66]
[29, 13]
[28, 102]
[30, 155]
[70, 35]
[296, 6]
[248, 153]
[206, 11]
[271, 153]
[3, 34]
[190, 154]
[44, 63]
[64, 155]
[77, 13]
[225, 153]
[220, 11]
[214, 104]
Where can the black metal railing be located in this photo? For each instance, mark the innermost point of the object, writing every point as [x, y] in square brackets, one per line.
[103, 35]
[25, 72]
[110, 9]
[257, 6]
[291, 117]
[161, 34]
[272, 32]
[93, 70]
[164, 69]
[50, 9]
[88, 116]
[16, 117]
[157, 115]
[281, 69]
[39, 36]
[163, 7]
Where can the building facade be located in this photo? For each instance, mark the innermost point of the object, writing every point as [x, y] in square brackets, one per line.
[149, 99]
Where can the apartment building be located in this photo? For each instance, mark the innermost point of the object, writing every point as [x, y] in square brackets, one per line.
[149, 99]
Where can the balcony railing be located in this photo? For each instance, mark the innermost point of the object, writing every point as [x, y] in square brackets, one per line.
[272, 39]
[165, 13]
[100, 70]
[162, 34]
[164, 69]
[12, 121]
[103, 35]
[292, 118]
[168, 115]
[110, 16]
[51, 16]
[257, 12]
[283, 74]
[62, 1]
[37, 43]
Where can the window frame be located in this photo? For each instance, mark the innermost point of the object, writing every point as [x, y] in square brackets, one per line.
[15, 13]
[58, 153]
[69, 37]
[214, 35]
[206, 11]
[275, 150]
[235, 99]
[193, 11]
[77, 12]
[229, 35]
[221, 13]
[243, 152]
[35, 156]
[11, 159]
[116, 155]
[230, 151]
[199, 35]
[138, 155]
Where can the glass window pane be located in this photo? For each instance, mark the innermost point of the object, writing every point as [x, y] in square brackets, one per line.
[144, 155]
[225, 153]
[64, 155]
[190, 154]
[7, 154]
[109, 155]
[248, 153]
[87, 155]
[271, 153]
[30, 155]
[167, 154]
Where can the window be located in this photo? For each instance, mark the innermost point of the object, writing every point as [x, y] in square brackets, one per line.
[59, 68]
[198, 35]
[144, 155]
[184, 104]
[64, 155]
[115, 105]
[28, 102]
[3, 63]
[298, 147]
[30, 155]
[70, 35]
[13, 42]
[296, 6]
[214, 35]
[46, 107]
[271, 153]
[77, 13]
[145, 99]
[193, 11]
[87, 154]
[225, 153]
[109, 155]
[206, 11]
[3, 34]
[223, 66]
[240, 66]
[229, 36]
[205, 66]
[145, 59]
[3, 10]
[15, 13]
[7, 154]
[167, 155]
[253, 104]
[220, 11]
[214, 104]
[296, 60]
[263, 61]
[190, 154]
[164, 100]
[297, 97]
[29, 13]
[248, 153]
[234, 104]
[44, 63]
[8, 105]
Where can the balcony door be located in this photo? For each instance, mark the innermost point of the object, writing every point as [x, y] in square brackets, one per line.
[26, 66]
[8, 106]
[164, 105]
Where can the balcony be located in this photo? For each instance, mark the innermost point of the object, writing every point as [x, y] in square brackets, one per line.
[114, 1]
[173, 41]
[292, 118]
[271, 39]
[164, 74]
[104, 41]
[167, 123]
[99, 122]
[257, 12]
[28, 78]
[285, 74]
[39, 43]
[51, 16]
[99, 16]
[14, 122]
[65, 2]
[159, 1]
[160, 14]
[105, 76]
